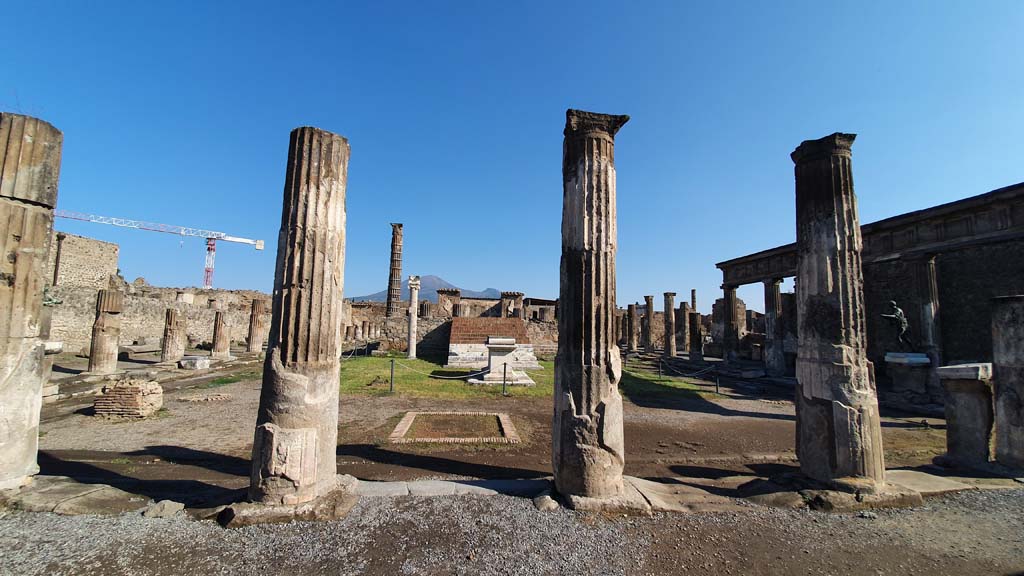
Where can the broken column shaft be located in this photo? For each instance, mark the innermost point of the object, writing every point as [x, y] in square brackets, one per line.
[647, 336]
[293, 455]
[221, 336]
[838, 432]
[730, 325]
[670, 325]
[588, 449]
[631, 329]
[395, 275]
[254, 343]
[172, 347]
[106, 331]
[30, 153]
[774, 355]
[696, 338]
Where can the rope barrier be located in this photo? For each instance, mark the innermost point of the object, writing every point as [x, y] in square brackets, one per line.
[695, 374]
[429, 375]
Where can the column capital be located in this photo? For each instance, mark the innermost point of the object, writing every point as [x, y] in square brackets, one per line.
[670, 294]
[836, 144]
[579, 123]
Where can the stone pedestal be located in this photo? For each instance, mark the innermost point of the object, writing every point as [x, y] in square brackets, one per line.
[294, 449]
[395, 274]
[129, 398]
[1008, 377]
[172, 347]
[414, 295]
[106, 331]
[670, 325]
[30, 151]
[221, 337]
[969, 413]
[254, 342]
[588, 451]
[839, 439]
[912, 379]
[500, 362]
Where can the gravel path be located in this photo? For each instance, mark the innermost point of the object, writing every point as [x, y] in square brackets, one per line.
[968, 533]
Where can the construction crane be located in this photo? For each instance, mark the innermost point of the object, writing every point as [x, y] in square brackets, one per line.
[211, 236]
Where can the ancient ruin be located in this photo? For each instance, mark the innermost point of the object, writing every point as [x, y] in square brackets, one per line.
[293, 455]
[647, 325]
[632, 326]
[221, 349]
[30, 156]
[129, 398]
[172, 346]
[414, 296]
[106, 330]
[588, 452]
[395, 273]
[670, 325]
[257, 331]
[838, 429]
[1008, 376]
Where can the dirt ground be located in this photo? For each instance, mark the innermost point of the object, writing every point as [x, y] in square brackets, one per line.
[199, 445]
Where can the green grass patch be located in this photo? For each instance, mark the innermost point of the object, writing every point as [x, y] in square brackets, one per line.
[120, 461]
[369, 375]
[642, 383]
[229, 379]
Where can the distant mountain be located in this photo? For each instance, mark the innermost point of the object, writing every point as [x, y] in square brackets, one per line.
[428, 291]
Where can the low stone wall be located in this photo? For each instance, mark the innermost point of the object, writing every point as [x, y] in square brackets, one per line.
[144, 314]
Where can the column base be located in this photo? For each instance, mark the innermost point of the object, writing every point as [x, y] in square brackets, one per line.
[333, 505]
[629, 501]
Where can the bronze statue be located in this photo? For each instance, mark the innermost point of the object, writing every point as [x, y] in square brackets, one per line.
[898, 318]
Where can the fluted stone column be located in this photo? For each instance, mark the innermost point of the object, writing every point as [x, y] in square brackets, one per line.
[221, 336]
[1008, 378]
[647, 334]
[774, 354]
[297, 427]
[106, 331]
[30, 153]
[395, 275]
[631, 328]
[364, 330]
[588, 450]
[254, 343]
[838, 433]
[696, 338]
[172, 347]
[730, 325]
[414, 298]
[670, 325]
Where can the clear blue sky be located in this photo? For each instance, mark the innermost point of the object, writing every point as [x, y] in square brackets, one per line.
[180, 112]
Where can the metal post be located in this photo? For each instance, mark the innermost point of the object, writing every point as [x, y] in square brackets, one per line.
[717, 390]
[659, 369]
[504, 379]
[392, 375]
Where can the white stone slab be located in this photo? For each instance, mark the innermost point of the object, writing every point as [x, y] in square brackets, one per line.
[926, 484]
[908, 358]
[976, 371]
[390, 489]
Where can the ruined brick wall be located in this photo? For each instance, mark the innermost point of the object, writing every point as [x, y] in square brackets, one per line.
[84, 261]
[544, 337]
[481, 307]
[144, 314]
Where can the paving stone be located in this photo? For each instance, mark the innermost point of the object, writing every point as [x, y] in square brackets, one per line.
[106, 501]
[926, 484]
[383, 488]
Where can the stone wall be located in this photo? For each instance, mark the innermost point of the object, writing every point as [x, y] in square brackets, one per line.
[144, 314]
[84, 262]
[543, 334]
[718, 319]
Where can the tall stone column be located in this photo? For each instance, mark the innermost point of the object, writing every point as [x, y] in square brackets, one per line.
[670, 325]
[106, 331]
[838, 432]
[293, 454]
[172, 348]
[931, 331]
[631, 329]
[647, 335]
[730, 325]
[254, 343]
[774, 354]
[30, 151]
[1008, 377]
[588, 450]
[395, 276]
[693, 299]
[221, 336]
[414, 298]
[696, 338]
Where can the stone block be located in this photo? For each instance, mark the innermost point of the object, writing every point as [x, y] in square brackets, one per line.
[129, 398]
[194, 363]
[976, 371]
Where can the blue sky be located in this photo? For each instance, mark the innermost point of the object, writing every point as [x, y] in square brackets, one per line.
[180, 113]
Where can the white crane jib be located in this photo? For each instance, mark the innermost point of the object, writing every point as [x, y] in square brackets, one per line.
[211, 236]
